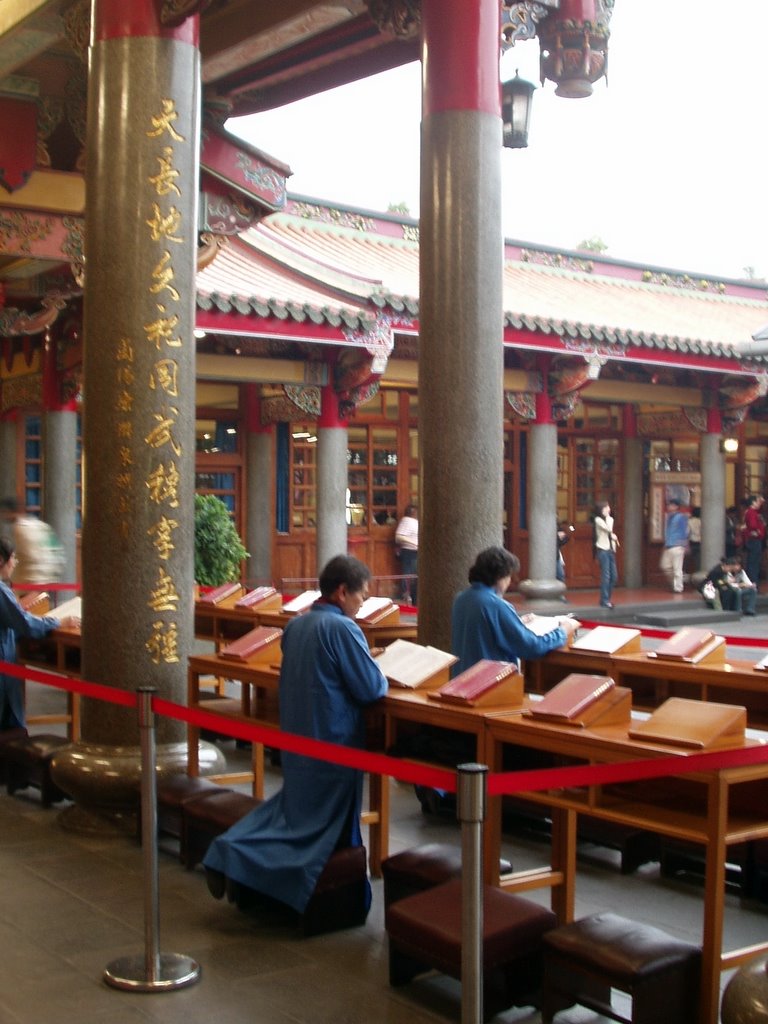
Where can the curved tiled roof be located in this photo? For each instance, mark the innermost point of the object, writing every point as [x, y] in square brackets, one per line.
[325, 264]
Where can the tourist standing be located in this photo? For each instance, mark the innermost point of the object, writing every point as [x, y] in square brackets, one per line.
[754, 537]
[407, 543]
[675, 545]
[606, 542]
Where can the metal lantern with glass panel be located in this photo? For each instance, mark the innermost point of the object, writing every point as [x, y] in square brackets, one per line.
[516, 97]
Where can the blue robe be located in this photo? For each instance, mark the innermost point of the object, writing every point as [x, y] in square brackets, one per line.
[15, 622]
[484, 625]
[326, 679]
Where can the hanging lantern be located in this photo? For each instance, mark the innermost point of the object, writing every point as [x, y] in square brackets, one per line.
[574, 46]
[516, 97]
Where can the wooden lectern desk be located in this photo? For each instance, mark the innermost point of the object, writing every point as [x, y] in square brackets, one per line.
[714, 809]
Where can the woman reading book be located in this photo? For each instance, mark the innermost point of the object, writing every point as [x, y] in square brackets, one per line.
[327, 677]
[15, 622]
[485, 625]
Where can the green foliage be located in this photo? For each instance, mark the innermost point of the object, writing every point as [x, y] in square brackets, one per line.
[218, 548]
[594, 244]
[401, 208]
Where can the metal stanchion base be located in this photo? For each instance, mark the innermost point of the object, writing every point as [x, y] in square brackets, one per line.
[130, 973]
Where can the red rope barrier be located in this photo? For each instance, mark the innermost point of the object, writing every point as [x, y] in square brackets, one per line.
[499, 783]
[663, 634]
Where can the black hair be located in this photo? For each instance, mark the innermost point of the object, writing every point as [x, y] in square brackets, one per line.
[343, 569]
[492, 565]
[6, 549]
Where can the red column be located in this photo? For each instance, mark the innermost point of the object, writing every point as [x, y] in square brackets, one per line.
[460, 300]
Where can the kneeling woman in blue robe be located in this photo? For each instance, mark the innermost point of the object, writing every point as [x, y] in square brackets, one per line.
[327, 677]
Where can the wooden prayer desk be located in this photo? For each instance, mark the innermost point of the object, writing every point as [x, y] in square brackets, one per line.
[402, 709]
[222, 623]
[542, 674]
[714, 809]
[377, 635]
[653, 680]
[57, 652]
[258, 682]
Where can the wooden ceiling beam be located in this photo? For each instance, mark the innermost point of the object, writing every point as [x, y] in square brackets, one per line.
[246, 31]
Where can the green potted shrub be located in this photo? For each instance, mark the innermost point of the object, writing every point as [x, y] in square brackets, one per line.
[218, 548]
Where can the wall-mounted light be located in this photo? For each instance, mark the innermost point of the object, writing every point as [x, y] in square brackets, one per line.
[199, 332]
[516, 97]
[729, 445]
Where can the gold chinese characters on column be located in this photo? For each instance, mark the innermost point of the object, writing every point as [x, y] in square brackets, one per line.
[161, 333]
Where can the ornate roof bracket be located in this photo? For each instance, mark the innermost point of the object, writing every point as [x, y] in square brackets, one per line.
[16, 322]
[519, 19]
[400, 17]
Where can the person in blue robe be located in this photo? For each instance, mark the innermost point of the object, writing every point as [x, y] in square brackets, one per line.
[485, 625]
[327, 677]
[15, 622]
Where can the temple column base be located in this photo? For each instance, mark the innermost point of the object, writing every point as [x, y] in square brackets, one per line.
[543, 595]
[104, 782]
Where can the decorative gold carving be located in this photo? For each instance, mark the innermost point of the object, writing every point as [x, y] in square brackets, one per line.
[519, 20]
[163, 485]
[209, 248]
[400, 17]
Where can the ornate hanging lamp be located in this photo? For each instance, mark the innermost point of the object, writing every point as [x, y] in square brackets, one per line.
[574, 45]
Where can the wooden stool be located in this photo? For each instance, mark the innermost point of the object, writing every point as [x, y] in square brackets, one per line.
[584, 960]
[207, 817]
[173, 793]
[422, 867]
[425, 933]
[5, 737]
[28, 763]
[340, 899]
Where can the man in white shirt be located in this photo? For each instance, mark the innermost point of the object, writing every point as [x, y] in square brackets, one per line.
[407, 543]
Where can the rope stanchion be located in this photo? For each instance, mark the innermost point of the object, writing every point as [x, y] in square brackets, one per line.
[155, 971]
[471, 785]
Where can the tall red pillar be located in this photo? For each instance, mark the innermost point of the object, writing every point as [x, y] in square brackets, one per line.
[139, 383]
[460, 305]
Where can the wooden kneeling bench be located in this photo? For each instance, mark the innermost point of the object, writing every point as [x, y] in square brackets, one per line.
[173, 793]
[584, 960]
[6, 735]
[424, 933]
[340, 899]
[28, 763]
[209, 816]
[422, 867]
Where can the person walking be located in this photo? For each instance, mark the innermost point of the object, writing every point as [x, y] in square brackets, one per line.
[407, 543]
[675, 545]
[754, 537]
[606, 542]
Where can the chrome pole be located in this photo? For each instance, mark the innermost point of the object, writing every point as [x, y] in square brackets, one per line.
[471, 793]
[155, 971]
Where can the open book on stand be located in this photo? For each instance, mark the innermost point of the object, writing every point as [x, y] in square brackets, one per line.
[38, 602]
[543, 624]
[583, 700]
[378, 609]
[609, 640]
[300, 604]
[253, 642]
[413, 666]
[486, 682]
[71, 608]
